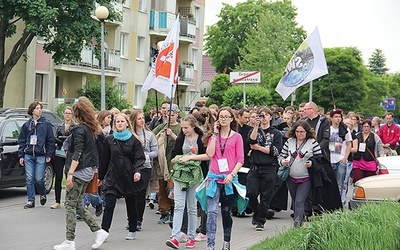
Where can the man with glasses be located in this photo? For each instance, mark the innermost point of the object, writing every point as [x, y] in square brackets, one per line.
[266, 144]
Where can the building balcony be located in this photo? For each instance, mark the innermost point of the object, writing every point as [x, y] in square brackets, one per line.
[117, 5]
[186, 72]
[161, 22]
[89, 61]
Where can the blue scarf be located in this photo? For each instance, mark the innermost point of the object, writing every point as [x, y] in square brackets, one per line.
[122, 136]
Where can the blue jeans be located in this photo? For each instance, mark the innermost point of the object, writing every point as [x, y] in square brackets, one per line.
[299, 193]
[340, 171]
[183, 198]
[35, 167]
[226, 208]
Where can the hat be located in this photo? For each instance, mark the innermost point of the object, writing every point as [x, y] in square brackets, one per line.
[174, 108]
[335, 111]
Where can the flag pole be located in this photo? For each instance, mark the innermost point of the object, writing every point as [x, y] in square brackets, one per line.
[311, 89]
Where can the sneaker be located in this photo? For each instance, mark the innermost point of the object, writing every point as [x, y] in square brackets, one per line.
[200, 237]
[190, 244]
[253, 220]
[270, 214]
[131, 236]
[43, 199]
[158, 211]
[183, 238]
[173, 243]
[101, 236]
[29, 204]
[139, 226]
[198, 230]
[259, 227]
[66, 245]
[55, 206]
[226, 245]
[99, 210]
[151, 204]
[164, 219]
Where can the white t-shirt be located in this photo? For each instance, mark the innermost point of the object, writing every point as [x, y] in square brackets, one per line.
[336, 145]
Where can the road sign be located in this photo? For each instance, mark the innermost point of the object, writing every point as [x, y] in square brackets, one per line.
[389, 104]
[245, 77]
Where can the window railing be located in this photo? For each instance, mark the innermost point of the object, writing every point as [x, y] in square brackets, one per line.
[186, 72]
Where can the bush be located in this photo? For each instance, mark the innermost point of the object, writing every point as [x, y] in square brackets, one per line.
[373, 226]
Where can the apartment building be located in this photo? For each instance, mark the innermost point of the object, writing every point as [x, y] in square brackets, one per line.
[131, 44]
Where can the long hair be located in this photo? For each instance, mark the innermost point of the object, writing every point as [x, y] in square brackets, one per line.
[128, 122]
[101, 116]
[72, 123]
[310, 133]
[193, 123]
[233, 124]
[84, 113]
[132, 119]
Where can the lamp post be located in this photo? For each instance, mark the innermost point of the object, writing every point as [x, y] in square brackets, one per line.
[102, 14]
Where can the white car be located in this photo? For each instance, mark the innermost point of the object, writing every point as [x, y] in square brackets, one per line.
[379, 187]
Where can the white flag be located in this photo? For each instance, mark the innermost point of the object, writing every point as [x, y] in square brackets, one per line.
[163, 76]
[307, 64]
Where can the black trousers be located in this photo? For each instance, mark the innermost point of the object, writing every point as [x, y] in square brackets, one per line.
[260, 182]
[111, 201]
[141, 196]
[59, 163]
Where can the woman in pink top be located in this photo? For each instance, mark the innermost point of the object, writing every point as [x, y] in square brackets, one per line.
[225, 148]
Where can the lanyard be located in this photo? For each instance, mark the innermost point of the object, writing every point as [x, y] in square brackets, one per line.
[222, 148]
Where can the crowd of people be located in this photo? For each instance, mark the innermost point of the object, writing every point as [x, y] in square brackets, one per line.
[195, 163]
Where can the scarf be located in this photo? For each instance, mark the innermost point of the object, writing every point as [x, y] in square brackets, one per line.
[122, 136]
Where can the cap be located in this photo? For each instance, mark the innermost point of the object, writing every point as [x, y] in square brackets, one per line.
[174, 108]
[335, 111]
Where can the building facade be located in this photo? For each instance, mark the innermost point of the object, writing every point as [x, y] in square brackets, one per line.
[131, 45]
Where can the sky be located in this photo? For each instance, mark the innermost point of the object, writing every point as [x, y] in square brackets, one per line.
[365, 24]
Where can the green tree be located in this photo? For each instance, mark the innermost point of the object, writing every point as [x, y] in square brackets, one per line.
[228, 35]
[255, 95]
[377, 62]
[220, 84]
[63, 24]
[114, 98]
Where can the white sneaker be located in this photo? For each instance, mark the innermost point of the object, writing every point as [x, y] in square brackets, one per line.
[101, 236]
[183, 238]
[66, 245]
[200, 237]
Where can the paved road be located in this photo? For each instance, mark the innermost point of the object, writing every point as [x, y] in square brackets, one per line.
[42, 227]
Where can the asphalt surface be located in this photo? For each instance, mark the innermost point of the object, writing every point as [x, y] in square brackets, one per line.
[42, 227]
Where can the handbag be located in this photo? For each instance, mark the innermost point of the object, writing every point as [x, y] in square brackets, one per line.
[92, 188]
[380, 169]
[283, 172]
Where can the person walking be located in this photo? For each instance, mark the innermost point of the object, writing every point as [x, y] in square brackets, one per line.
[187, 174]
[225, 148]
[369, 148]
[150, 148]
[62, 132]
[266, 144]
[121, 164]
[36, 148]
[82, 157]
[296, 152]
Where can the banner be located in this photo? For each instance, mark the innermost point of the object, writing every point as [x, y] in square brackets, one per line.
[163, 76]
[307, 64]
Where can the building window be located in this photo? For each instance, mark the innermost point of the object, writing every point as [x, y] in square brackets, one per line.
[197, 16]
[137, 102]
[59, 87]
[140, 50]
[143, 5]
[127, 3]
[41, 87]
[123, 89]
[124, 44]
[195, 58]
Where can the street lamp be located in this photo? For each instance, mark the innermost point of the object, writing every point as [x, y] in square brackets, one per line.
[102, 14]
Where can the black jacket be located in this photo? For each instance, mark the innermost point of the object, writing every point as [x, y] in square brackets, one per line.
[61, 135]
[177, 150]
[82, 148]
[119, 161]
[273, 140]
[325, 188]
[323, 134]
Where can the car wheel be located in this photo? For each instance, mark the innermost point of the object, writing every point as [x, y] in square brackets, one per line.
[48, 177]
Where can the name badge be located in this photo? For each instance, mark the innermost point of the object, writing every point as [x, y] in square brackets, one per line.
[223, 165]
[147, 158]
[362, 147]
[33, 140]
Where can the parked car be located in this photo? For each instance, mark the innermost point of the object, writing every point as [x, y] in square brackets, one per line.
[11, 173]
[379, 187]
[52, 117]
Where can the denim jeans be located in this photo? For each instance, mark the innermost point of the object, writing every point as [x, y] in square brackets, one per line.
[347, 178]
[183, 198]
[340, 172]
[35, 167]
[226, 208]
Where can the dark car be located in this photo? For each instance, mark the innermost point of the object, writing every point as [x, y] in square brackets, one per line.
[52, 117]
[11, 173]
